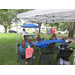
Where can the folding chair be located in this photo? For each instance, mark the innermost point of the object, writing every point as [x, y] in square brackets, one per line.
[51, 45]
[18, 53]
[26, 56]
[46, 56]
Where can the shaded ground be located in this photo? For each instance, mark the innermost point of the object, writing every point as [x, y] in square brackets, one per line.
[62, 36]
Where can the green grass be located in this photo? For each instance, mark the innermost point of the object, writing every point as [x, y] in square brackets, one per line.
[30, 31]
[44, 31]
[8, 54]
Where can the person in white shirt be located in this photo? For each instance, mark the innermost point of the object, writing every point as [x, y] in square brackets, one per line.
[23, 33]
[66, 39]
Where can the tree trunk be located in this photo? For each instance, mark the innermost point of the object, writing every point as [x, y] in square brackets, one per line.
[40, 26]
[71, 30]
[5, 29]
[74, 27]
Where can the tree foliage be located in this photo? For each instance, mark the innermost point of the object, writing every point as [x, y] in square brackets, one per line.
[8, 16]
[62, 26]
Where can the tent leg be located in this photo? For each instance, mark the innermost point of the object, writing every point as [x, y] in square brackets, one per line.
[16, 38]
[46, 29]
[74, 58]
[16, 34]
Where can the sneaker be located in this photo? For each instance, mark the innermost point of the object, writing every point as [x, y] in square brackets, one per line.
[33, 56]
[26, 63]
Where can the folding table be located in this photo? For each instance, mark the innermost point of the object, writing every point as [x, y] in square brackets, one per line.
[44, 44]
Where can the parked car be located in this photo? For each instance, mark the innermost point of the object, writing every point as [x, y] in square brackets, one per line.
[12, 31]
[1, 31]
[59, 32]
[36, 31]
[66, 31]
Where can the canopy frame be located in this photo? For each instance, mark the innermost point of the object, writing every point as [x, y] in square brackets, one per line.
[31, 15]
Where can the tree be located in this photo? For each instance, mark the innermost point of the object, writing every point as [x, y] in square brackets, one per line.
[49, 24]
[64, 25]
[39, 25]
[57, 25]
[8, 16]
[9, 27]
[71, 30]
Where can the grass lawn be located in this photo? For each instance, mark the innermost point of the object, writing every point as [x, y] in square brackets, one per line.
[8, 54]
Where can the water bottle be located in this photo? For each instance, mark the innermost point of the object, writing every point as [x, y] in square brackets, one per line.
[44, 39]
[36, 41]
[28, 45]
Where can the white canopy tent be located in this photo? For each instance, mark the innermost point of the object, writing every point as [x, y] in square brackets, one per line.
[49, 16]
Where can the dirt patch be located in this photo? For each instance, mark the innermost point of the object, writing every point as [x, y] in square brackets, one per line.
[62, 36]
[73, 40]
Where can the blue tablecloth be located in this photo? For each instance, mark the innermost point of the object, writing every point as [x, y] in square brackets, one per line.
[30, 35]
[44, 44]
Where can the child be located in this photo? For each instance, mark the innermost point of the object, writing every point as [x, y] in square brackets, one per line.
[66, 39]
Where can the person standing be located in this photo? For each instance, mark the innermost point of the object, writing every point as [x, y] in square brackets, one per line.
[23, 33]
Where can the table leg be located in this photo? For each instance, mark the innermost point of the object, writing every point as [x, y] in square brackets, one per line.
[39, 51]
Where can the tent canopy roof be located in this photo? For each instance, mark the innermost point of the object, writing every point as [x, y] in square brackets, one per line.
[49, 15]
[31, 25]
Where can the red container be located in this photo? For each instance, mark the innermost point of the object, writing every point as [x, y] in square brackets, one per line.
[52, 30]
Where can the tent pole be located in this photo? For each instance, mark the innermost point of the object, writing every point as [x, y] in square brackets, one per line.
[16, 33]
[46, 29]
[41, 33]
[74, 58]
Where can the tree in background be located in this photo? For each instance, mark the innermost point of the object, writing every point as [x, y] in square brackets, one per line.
[71, 30]
[39, 25]
[9, 27]
[8, 16]
[63, 26]
[52, 25]
[56, 25]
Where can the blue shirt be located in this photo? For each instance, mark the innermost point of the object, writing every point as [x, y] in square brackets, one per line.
[21, 48]
[38, 39]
